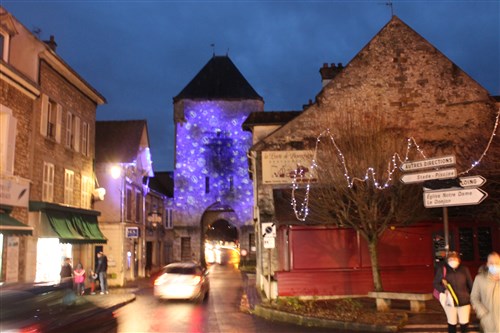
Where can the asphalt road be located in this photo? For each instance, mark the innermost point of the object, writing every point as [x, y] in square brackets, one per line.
[220, 314]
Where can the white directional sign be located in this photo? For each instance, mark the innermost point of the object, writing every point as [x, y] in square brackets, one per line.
[460, 197]
[428, 163]
[472, 181]
[419, 177]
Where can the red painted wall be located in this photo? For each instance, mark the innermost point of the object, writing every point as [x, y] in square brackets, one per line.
[333, 261]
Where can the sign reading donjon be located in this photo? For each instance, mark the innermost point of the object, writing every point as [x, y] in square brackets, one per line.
[455, 197]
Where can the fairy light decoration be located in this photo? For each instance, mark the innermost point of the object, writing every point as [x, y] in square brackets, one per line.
[370, 174]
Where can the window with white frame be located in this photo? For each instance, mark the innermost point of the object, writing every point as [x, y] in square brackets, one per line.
[72, 131]
[50, 123]
[87, 188]
[85, 138]
[69, 182]
[8, 125]
[48, 182]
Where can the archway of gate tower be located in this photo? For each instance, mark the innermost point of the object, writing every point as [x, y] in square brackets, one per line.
[220, 235]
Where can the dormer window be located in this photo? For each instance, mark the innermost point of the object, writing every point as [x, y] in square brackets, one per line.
[7, 30]
[3, 48]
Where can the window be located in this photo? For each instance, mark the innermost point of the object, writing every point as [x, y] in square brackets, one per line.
[72, 131]
[85, 138]
[466, 243]
[138, 206]
[2, 47]
[129, 205]
[69, 130]
[86, 192]
[48, 182]
[7, 136]
[484, 242]
[168, 218]
[50, 124]
[69, 182]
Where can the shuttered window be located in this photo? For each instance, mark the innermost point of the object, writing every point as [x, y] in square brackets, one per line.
[69, 182]
[8, 126]
[48, 182]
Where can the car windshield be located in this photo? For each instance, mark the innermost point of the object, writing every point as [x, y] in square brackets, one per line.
[181, 270]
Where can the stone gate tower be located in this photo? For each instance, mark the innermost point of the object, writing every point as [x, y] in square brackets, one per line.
[211, 167]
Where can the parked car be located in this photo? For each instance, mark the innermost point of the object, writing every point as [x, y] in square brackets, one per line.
[182, 281]
[50, 308]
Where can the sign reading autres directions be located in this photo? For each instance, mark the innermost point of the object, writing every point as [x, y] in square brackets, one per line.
[428, 163]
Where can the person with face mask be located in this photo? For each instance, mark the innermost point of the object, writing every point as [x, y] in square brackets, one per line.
[485, 296]
[454, 282]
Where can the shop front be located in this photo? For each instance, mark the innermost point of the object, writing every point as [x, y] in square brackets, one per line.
[62, 232]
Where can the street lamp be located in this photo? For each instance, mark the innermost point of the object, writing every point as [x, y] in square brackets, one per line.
[116, 171]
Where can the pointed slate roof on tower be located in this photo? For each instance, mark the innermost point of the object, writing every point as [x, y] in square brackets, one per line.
[218, 79]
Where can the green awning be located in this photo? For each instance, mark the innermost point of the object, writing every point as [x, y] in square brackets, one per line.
[75, 228]
[12, 227]
[88, 226]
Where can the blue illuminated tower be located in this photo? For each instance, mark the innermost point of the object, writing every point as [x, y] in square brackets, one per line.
[212, 184]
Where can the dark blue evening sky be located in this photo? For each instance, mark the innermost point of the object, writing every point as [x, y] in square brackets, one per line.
[140, 54]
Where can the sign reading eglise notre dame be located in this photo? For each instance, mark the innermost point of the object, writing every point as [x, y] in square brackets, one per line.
[279, 167]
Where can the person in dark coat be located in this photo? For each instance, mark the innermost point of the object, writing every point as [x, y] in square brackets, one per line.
[101, 270]
[66, 272]
[454, 283]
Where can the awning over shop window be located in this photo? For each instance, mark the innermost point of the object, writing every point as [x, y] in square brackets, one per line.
[11, 227]
[75, 228]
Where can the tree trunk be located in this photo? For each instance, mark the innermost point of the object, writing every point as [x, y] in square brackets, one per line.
[377, 279]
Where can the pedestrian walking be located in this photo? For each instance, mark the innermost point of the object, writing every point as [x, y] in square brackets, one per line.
[485, 295]
[79, 279]
[454, 283]
[101, 271]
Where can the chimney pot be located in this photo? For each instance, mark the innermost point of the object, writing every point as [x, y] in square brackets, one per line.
[51, 43]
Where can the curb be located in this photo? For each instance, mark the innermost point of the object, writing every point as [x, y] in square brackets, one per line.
[271, 314]
[120, 304]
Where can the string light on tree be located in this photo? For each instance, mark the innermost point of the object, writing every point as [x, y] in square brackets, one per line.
[370, 174]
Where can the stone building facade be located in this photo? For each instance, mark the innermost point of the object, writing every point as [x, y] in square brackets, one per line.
[210, 176]
[133, 216]
[56, 139]
[402, 82]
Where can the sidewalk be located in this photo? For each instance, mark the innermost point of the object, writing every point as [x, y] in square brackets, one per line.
[118, 296]
[433, 319]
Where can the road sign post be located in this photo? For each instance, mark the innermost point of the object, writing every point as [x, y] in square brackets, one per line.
[447, 189]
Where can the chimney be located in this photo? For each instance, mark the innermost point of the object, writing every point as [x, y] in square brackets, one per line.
[329, 72]
[305, 106]
[51, 43]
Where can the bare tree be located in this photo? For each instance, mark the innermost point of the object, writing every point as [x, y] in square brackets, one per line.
[358, 183]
